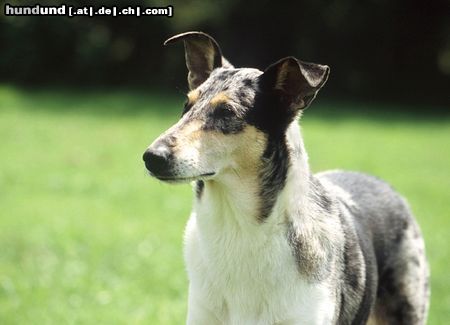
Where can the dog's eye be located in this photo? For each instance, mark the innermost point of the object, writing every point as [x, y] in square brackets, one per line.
[223, 110]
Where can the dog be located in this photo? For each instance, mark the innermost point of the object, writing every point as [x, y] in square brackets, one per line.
[268, 242]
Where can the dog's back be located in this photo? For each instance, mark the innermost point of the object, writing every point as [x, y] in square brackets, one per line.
[395, 265]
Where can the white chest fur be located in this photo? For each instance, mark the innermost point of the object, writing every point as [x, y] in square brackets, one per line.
[249, 277]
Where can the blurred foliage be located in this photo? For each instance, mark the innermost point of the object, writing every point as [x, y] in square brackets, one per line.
[376, 48]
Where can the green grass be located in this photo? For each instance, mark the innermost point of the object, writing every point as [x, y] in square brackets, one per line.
[86, 237]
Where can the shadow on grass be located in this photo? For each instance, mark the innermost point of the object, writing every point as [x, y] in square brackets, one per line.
[126, 102]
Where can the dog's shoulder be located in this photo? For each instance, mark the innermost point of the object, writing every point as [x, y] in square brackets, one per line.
[376, 209]
[371, 201]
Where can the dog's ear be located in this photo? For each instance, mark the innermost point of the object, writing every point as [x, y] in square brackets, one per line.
[294, 81]
[202, 54]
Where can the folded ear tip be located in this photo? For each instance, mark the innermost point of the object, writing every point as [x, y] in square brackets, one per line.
[170, 40]
[326, 70]
[184, 35]
[175, 38]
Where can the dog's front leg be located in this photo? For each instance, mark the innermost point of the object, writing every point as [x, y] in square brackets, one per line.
[198, 313]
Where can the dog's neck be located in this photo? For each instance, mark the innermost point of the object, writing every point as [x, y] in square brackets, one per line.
[236, 199]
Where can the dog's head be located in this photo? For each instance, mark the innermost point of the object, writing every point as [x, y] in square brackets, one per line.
[234, 119]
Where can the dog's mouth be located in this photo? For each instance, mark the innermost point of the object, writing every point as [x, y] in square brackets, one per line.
[182, 179]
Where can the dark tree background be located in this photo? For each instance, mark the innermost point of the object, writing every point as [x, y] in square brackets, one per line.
[378, 49]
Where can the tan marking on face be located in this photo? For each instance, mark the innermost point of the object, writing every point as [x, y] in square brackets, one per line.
[233, 157]
[253, 143]
[242, 150]
[219, 98]
[193, 96]
[188, 135]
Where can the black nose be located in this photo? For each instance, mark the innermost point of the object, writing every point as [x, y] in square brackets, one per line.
[157, 160]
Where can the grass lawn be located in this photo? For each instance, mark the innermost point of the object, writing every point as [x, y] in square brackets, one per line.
[88, 238]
